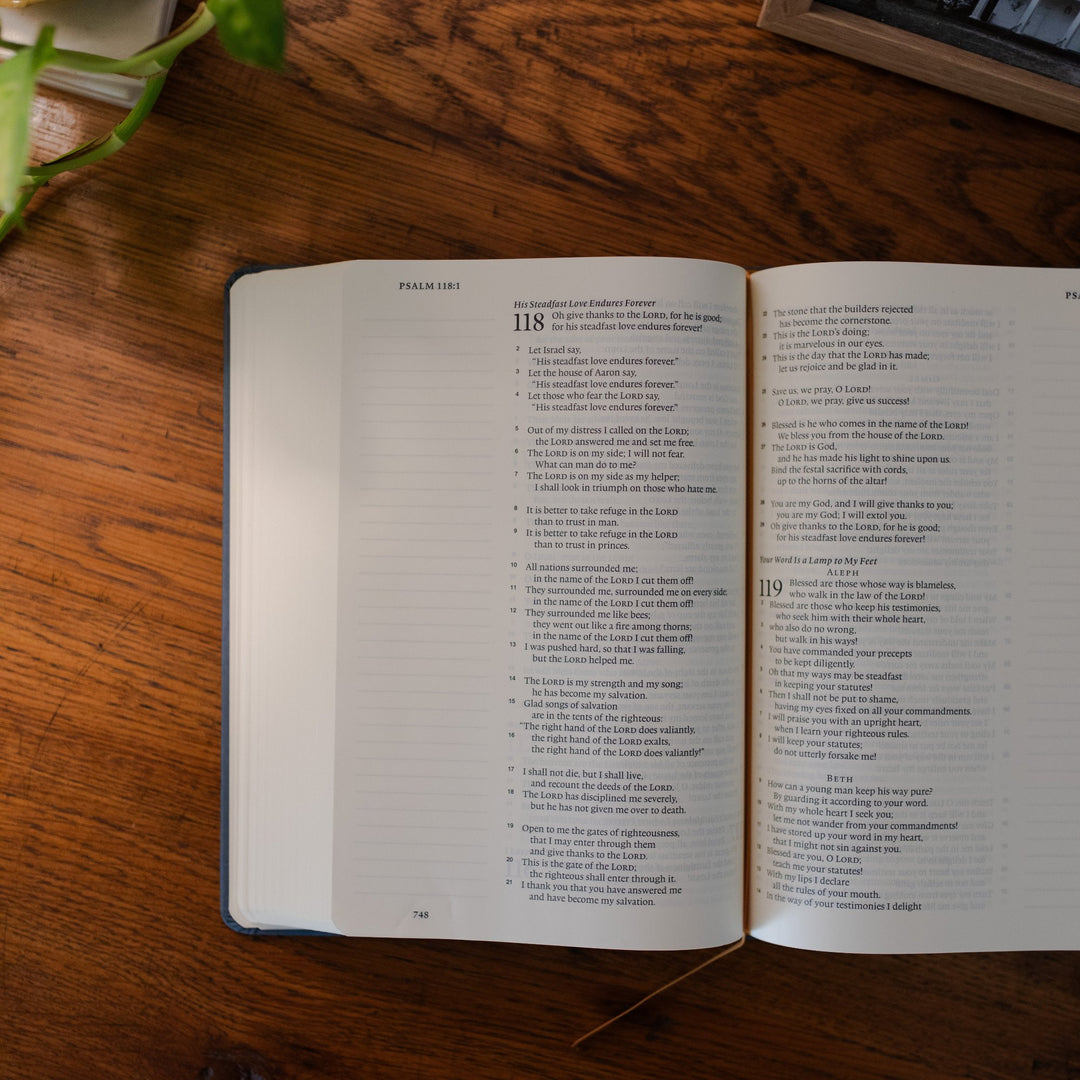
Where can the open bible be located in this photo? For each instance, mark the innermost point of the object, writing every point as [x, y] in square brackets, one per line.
[641, 603]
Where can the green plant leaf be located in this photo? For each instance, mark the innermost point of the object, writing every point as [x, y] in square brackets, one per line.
[17, 78]
[252, 30]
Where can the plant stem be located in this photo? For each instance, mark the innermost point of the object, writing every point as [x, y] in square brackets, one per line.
[153, 64]
[152, 60]
[107, 144]
[102, 147]
[9, 220]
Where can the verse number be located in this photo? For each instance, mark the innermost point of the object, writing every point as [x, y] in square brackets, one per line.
[421, 914]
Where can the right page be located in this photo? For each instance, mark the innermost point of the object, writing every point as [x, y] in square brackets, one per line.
[915, 735]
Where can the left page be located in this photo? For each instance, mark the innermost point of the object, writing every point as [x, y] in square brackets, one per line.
[538, 609]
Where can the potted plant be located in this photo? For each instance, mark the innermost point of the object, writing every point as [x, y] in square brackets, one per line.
[251, 30]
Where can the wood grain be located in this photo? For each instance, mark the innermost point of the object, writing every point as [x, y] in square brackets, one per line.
[449, 128]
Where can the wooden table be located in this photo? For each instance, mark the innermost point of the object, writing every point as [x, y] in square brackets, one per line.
[489, 128]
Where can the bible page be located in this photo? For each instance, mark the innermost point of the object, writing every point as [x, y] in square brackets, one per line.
[541, 566]
[916, 746]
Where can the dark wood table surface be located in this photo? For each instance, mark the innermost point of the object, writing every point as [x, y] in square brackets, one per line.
[448, 128]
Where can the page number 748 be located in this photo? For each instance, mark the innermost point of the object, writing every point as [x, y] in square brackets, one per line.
[421, 914]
